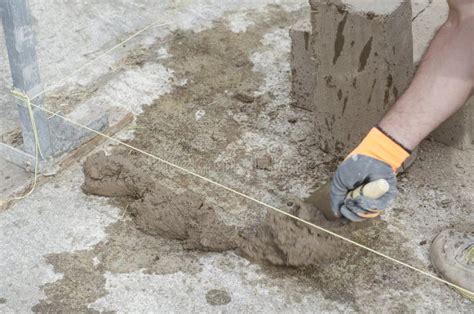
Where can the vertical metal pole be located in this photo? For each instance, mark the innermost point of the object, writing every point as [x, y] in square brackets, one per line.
[20, 43]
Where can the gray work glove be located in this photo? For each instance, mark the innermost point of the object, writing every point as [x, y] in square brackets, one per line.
[358, 170]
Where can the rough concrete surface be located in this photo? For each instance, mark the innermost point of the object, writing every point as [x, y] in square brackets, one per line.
[62, 250]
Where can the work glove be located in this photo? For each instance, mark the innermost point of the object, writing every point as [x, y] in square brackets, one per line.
[378, 156]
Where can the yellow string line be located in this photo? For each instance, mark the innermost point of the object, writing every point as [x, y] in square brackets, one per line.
[85, 65]
[258, 201]
[24, 97]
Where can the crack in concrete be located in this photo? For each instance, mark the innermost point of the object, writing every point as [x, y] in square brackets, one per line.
[422, 10]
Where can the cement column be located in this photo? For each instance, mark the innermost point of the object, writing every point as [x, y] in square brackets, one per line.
[303, 67]
[20, 44]
[363, 54]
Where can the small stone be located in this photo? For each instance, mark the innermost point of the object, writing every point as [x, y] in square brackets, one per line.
[292, 120]
[245, 98]
[445, 201]
[289, 203]
[423, 242]
[404, 179]
[218, 297]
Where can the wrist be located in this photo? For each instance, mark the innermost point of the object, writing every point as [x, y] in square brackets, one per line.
[405, 136]
[380, 145]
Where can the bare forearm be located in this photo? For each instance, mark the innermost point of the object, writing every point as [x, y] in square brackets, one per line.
[442, 84]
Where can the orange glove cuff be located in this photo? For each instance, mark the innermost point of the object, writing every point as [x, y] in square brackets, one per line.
[379, 146]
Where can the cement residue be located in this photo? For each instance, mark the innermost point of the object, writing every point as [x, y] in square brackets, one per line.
[157, 210]
[282, 240]
[125, 250]
[114, 176]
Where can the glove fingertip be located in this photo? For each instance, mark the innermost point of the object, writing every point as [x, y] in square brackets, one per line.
[346, 212]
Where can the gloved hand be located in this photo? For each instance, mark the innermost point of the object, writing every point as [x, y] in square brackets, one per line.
[377, 157]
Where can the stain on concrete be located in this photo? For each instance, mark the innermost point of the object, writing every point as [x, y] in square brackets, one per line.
[218, 297]
[364, 55]
[339, 42]
[339, 94]
[125, 250]
[81, 284]
[3, 300]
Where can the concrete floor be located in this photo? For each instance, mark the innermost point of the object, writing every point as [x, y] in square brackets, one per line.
[62, 250]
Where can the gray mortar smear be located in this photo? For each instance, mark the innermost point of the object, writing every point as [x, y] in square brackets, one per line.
[156, 210]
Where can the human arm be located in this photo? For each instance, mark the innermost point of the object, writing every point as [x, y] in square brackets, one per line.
[442, 84]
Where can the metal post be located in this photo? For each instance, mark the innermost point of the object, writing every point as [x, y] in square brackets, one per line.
[20, 43]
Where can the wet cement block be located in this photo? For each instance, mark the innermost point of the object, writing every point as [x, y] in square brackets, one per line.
[303, 67]
[350, 61]
[363, 56]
